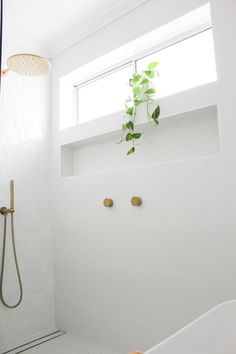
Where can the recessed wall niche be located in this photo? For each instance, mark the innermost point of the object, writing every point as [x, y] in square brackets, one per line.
[188, 135]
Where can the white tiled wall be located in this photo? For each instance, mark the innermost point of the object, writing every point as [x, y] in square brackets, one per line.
[24, 156]
[139, 274]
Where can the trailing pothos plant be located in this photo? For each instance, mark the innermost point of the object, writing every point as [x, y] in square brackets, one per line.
[142, 93]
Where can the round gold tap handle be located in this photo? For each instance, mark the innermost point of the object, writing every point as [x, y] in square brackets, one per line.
[108, 202]
[136, 201]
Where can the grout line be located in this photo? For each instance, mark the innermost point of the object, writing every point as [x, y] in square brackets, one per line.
[35, 340]
[36, 345]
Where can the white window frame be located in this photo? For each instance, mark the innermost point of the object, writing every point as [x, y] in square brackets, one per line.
[171, 38]
[133, 61]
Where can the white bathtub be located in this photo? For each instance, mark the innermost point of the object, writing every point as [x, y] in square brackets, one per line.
[212, 333]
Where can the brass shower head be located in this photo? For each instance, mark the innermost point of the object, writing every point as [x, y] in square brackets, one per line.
[27, 64]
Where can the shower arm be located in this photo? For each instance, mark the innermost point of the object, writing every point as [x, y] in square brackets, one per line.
[4, 71]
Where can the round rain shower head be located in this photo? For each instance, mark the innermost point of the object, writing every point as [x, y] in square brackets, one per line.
[28, 64]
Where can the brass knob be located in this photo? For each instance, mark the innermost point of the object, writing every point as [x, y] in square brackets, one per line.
[136, 353]
[136, 201]
[108, 202]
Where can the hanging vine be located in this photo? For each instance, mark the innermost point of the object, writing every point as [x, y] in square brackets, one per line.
[142, 93]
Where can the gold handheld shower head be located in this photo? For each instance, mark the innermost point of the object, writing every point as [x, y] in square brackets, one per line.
[27, 64]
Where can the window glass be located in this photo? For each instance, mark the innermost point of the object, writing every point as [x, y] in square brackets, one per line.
[184, 65]
[104, 95]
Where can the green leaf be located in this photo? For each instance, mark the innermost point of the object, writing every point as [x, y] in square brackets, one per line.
[139, 82]
[129, 137]
[150, 91]
[137, 102]
[136, 78]
[130, 111]
[150, 73]
[136, 90]
[155, 114]
[153, 65]
[131, 151]
[130, 125]
[136, 135]
[144, 81]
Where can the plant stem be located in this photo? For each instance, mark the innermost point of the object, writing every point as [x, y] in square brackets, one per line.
[148, 114]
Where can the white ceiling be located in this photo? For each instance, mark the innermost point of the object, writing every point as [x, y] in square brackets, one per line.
[56, 24]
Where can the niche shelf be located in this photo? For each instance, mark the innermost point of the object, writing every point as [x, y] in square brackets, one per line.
[188, 135]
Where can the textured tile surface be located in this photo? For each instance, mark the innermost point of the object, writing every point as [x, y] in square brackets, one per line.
[24, 157]
[68, 344]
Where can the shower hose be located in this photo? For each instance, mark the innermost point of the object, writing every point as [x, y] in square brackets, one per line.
[3, 263]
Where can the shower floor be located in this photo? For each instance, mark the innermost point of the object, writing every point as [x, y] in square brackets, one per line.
[65, 344]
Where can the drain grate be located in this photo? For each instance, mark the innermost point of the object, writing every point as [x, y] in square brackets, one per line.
[34, 343]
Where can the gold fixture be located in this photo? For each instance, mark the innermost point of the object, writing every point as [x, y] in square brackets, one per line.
[4, 72]
[108, 202]
[136, 201]
[136, 353]
[5, 211]
[12, 194]
[27, 64]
